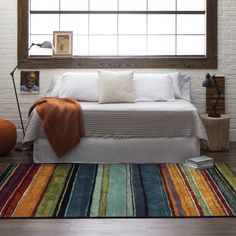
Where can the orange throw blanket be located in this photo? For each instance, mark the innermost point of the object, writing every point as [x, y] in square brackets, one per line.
[62, 122]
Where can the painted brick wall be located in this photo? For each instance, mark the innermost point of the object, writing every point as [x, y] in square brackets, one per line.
[226, 67]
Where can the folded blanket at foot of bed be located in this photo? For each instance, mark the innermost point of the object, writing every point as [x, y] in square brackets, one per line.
[62, 122]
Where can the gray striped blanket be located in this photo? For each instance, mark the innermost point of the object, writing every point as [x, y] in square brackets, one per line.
[133, 120]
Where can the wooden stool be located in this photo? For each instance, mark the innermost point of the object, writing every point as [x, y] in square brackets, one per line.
[217, 131]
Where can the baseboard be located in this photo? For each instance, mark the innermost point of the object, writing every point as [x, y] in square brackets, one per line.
[233, 135]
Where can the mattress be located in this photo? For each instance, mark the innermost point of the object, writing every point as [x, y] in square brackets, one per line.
[133, 120]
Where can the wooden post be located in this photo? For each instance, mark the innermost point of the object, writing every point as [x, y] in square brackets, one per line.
[218, 133]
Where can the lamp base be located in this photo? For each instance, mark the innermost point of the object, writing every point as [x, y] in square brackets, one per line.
[214, 115]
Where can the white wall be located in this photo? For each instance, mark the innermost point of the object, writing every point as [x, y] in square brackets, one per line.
[226, 64]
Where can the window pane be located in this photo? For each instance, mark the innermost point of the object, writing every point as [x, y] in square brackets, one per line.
[161, 5]
[191, 45]
[194, 5]
[191, 24]
[103, 24]
[132, 24]
[80, 45]
[76, 23]
[40, 23]
[73, 5]
[132, 5]
[132, 45]
[161, 45]
[102, 45]
[156, 25]
[40, 39]
[44, 5]
[103, 5]
[98, 35]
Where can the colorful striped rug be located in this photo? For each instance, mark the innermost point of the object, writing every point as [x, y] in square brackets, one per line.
[116, 190]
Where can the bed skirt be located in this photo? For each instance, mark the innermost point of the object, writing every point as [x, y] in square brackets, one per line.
[130, 150]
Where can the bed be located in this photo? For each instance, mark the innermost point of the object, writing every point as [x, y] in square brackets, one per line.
[140, 132]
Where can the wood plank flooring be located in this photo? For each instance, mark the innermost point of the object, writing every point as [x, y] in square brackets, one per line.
[121, 227]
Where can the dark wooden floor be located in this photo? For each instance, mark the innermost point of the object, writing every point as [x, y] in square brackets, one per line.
[121, 227]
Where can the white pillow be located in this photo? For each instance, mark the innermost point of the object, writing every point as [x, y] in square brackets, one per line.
[116, 87]
[181, 85]
[153, 87]
[54, 87]
[79, 86]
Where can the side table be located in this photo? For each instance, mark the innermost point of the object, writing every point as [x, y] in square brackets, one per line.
[217, 131]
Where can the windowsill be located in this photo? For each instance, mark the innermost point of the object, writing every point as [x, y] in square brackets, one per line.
[50, 62]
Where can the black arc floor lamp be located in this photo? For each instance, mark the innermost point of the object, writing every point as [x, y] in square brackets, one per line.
[207, 83]
[45, 44]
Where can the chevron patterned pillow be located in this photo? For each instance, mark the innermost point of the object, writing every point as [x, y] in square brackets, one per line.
[116, 87]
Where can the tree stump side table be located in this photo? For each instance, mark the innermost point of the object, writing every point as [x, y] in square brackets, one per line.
[217, 131]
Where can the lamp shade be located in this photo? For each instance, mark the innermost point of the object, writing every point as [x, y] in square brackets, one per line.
[46, 44]
[207, 81]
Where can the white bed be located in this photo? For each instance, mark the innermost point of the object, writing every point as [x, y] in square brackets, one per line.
[141, 132]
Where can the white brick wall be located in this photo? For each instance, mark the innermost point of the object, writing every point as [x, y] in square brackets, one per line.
[226, 64]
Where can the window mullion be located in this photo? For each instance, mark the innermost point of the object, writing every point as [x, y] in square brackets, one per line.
[176, 25]
[146, 28]
[59, 15]
[118, 8]
[88, 28]
[119, 12]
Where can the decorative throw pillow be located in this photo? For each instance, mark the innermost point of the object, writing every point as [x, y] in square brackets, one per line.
[116, 87]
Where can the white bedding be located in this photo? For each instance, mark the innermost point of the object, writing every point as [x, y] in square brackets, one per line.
[133, 120]
[111, 150]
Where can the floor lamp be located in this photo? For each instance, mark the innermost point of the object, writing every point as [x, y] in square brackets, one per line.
[45, 44]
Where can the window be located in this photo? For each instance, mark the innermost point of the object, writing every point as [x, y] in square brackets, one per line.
[121, 33]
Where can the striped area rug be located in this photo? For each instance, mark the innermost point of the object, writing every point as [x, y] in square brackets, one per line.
[116, 190]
